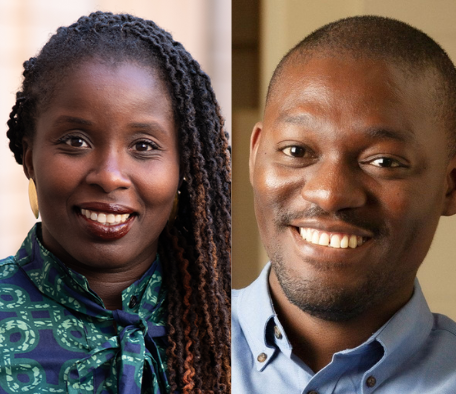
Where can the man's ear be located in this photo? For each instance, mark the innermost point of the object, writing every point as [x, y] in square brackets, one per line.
[449, 206]
[27, 158]
[254, 143]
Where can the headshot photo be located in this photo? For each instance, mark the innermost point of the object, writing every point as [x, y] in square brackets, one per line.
[115, 273]
[348, 132]
[240, 196]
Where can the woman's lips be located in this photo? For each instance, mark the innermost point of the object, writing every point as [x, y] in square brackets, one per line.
[105, 207]
[106, 221]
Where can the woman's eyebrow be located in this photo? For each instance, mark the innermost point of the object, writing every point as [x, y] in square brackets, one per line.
[148, 126]
[145, 126]
[72, 119]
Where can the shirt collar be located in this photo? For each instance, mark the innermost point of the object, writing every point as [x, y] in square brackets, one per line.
[403, 334]
[400, 337]
[140, 325]
[71, 289]
[256, 316]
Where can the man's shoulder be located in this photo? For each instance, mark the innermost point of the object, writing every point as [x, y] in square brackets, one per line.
[251, 308]
[443, 325]
[237, 292]
[255, 293]
[236, 296]
[243, 335]
[441, 341]
[243, 301]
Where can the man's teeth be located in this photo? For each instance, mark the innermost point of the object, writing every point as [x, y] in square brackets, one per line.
[103, 218]
[340, 241]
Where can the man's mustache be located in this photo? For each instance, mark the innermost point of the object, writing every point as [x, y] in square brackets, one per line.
[348, 216]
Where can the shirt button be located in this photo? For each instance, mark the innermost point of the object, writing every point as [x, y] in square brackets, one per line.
[133, 302]
[262, 357]
[313, 392]
[277, 332]
[371, 381]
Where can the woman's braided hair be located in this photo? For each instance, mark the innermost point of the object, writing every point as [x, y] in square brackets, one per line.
[195, 250]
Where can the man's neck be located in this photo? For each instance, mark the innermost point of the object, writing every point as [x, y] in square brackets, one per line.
[315, 340]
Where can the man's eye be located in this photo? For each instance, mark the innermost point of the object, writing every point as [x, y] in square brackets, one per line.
[294, 151]
[76, 142]
[385, 162]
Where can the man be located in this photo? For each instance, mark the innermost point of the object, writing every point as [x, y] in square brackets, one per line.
[352, 167]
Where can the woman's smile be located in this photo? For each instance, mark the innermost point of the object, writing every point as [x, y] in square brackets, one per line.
[106, 221]
[121, 137]
[106, 166]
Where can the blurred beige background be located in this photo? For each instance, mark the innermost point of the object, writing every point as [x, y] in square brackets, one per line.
[263, 31]
[202, 26]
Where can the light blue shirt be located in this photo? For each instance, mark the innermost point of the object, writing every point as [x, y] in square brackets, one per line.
[414, 352]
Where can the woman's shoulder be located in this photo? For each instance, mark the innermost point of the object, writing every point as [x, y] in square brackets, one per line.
[8, 267]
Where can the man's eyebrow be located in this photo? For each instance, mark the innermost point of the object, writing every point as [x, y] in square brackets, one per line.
[71, 119]
[301, 119]
[380, 133]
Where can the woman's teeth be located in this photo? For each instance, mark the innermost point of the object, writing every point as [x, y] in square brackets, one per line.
[106, 219]
[333, 240]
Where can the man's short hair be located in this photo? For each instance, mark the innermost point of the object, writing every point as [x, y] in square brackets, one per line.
[392, 41]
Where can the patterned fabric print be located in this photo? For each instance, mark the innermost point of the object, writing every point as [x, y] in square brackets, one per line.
[57, 337]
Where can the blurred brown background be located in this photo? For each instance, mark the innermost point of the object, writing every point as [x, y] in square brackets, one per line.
[263, 31]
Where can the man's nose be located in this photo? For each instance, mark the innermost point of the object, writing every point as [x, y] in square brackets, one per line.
[334, 185]
[109, 170]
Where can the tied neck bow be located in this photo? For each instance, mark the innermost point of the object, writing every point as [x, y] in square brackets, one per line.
[131, 356]
[96, 350]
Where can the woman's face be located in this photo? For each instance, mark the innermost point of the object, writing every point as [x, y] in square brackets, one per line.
[105, 162]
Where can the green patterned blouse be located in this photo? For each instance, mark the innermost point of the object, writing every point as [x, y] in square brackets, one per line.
[57, 337]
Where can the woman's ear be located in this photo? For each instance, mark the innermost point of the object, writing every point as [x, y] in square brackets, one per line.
[449, 206]
[27, 158]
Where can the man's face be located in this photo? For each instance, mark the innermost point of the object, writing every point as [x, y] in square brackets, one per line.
[350, 176]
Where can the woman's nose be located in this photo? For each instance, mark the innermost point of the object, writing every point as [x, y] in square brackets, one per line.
[333, 186]
[109, 171]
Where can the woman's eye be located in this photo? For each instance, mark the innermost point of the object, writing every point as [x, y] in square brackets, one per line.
[386, 162]
[294, 151]
[144, 146]
[76, 142]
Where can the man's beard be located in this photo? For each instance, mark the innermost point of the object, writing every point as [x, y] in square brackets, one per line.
[326, 301]
[332, 303]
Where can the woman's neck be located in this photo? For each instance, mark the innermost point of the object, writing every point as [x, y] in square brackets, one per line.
[110, 287]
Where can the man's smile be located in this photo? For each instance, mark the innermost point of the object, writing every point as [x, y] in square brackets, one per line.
[330, 239]
[348, 187]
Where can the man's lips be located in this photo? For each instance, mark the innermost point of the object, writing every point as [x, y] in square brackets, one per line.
[338, 237]
[332, 239]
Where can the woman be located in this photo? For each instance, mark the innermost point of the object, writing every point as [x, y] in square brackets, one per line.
[124, 286]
